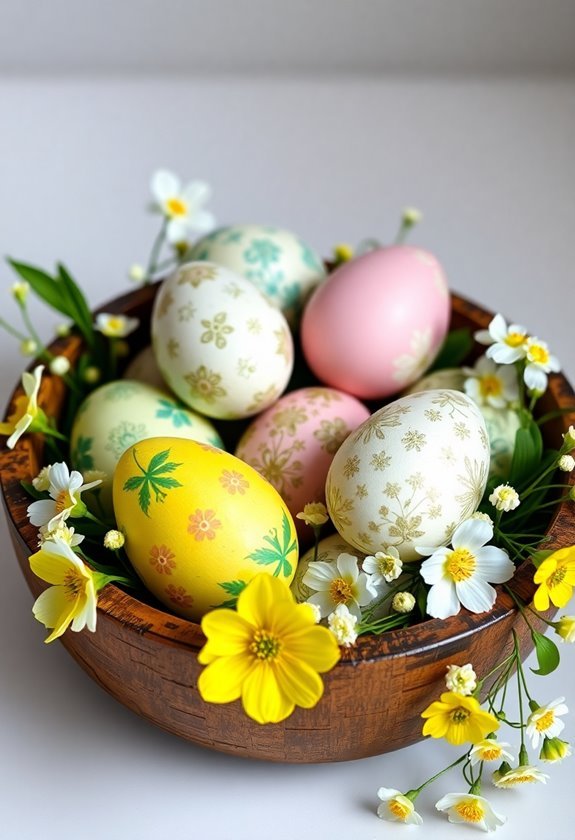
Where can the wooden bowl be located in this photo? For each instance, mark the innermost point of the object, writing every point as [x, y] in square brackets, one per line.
[147, 658]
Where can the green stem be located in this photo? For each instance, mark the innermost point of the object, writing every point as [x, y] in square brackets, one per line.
[155, 252]
[554, 415]
[20, 336]
[441, 772]
[519, 691]
[33, 334]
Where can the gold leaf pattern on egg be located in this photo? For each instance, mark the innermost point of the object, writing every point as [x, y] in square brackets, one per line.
[173, 348]
[339, 506]
[186, 312]
[351, 467]
[216, 330]
[196, 274]
[289, 419]
[331, 434]
[205, 384]
[165, 304]
[261, 399]
[413, 439]
[410, 366]
[473, 481]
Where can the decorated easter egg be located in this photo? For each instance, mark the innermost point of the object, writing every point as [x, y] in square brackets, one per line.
[119, 414]
[410, 474]
[199, 524]
[501, 423]
[293, 443]
[144, 368]
[377, 323]
[328, 551]
[277, 262]
[220, 345]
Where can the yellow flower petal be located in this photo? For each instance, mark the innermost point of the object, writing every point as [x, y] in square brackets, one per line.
[259, 598]
[49, 566]
[228, 633]
[316, 647]
[262, 698]
[298, 681]
[222, 680]
[560, 594]
[54, 610]
[541, 599]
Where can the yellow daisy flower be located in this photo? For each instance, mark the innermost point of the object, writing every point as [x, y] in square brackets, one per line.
[26, 417]
[269, 653]
[556, 579]
[72, 597]
[459, 719]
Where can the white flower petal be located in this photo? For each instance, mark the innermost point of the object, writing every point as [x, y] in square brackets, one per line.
[432, 569]
[196, 193]
[366, 590]
[535, 378]
[472, 534]
[202, 221]
[41, 512]
[177, 231]
[323, 601]
[494, 565]
[347, 565]
[442, 600]
[164, 185]
[319, 575]
[476, 594]
[503, 354]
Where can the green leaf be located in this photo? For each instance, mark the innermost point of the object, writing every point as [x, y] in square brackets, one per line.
[547, 654]
[158, 460]
[539, 556]
[144, 498]
[77, 305]
[455, 349]
[134, 482]
[152, 478]
[46, 287]
[526, 457]
[233, 588]
[31, 490]
[278, 553]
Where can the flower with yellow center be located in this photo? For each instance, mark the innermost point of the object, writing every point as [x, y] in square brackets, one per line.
[115, 326]
[540, 362]
[565, 628]
[181, 206]
[459, 719]
[462, 575]
[383, 566]
[525, 774]
[269, 653]
[72, 597]
[339, 582]
[554, 750]
[461, 679]
[26, 416]
[556, 579]
[543, 722]
[505, 498]
[470, 809]
[491, 384]
[507, 344]
[65, 490]
[397, 806]
[342, 624]
[489, 750]
[314, 514]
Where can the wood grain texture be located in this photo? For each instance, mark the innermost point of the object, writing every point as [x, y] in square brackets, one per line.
[147, 659]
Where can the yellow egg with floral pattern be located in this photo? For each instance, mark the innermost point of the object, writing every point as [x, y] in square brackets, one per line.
[199, 524]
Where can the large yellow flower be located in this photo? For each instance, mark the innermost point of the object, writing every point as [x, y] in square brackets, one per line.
[556, 579]
[26, 417]
[269, 653]
[459, 719]
[72, 598]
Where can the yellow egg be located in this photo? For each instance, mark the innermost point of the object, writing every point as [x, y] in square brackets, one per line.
[199, 523]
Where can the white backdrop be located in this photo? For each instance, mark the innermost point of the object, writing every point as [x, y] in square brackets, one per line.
[491, 166]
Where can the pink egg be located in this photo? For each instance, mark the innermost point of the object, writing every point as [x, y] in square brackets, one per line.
[376, 324]
[292, 444]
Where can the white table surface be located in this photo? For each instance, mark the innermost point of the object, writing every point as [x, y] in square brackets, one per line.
[491, 166]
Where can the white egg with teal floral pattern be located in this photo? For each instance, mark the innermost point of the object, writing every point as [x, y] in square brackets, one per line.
[117, 415]
[410, 474]
[277, 262]
[220, 344]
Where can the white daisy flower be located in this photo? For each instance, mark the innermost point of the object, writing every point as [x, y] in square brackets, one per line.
[461, 576]
[540, 362]
[115, 326]
[396, 807]
[566, 463]
[61, 533]
[383, 566]
[181, 206]
[65, 491]
[507, 344]
[505, 497]
[26, 414]
[339, 583]
[491, 384]
[470, 809]
[543, 722]
[525, 774]
[489, 750]
[342, 624]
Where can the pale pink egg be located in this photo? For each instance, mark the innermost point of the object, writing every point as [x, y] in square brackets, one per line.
[292, 444]
[376, 324]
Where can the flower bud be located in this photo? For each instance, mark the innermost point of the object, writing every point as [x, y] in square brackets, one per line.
[63, 330]
[59, 366]
[137, 273]
[403, 602]
[566, 463]
[554, 750]
[114, 540]
[92, 375]
[20, 291]
[565, 628]
[28, 347]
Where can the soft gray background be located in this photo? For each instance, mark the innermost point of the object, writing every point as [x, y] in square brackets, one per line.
[326, 118]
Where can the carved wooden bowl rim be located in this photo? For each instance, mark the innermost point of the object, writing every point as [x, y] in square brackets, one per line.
[22, 464]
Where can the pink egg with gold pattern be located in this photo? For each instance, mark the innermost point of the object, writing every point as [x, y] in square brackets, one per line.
[377, 323]
[292, 444]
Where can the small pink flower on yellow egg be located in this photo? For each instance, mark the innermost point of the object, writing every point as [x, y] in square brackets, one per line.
[162, 559]
[234, 482]
[179, 596]
[203, 524]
